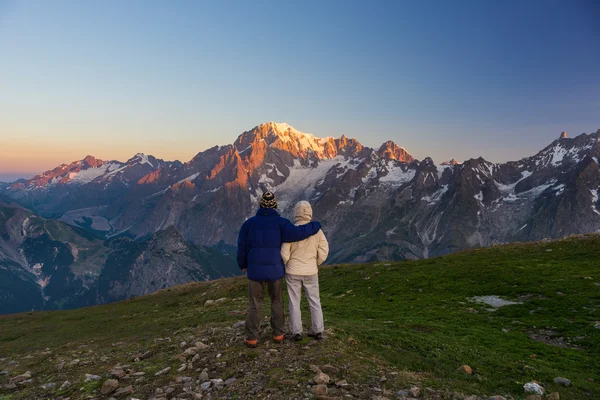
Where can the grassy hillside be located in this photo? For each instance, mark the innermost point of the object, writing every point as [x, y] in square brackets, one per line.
[411, 323]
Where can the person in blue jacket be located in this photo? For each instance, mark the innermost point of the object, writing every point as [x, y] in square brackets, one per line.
[259, 255]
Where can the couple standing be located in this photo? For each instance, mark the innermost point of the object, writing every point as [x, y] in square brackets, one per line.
[271, 247]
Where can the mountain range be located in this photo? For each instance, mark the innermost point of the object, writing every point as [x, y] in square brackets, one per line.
[374, 204]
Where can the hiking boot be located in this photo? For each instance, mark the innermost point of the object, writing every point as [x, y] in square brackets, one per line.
[297, 337]
[251, 343]
[316, 336]
[279, 339]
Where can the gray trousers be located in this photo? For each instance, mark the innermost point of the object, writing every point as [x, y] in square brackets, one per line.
[256, 295]
[311, 287]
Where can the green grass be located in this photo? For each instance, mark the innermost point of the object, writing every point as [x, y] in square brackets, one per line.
[414, 316]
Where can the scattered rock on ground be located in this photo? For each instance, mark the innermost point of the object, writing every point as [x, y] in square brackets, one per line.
[126, 391]
[321, 378]
[553, 396]
[90, 378]
[109, 386]
[320, 390]
[533, 387]
[466, 370]
[562, 381]
[20, 378]
[162, 371]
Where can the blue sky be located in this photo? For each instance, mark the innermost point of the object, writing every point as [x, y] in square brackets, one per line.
[498, 79]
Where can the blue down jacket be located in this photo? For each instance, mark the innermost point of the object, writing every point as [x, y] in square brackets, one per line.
[259, 243]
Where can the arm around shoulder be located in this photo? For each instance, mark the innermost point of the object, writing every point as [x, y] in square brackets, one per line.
[292, 233]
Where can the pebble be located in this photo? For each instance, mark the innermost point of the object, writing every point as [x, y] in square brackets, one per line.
[206, 385]
[124, 391]
[209, 302]
[553, 396]
[321, 378]
[230, 381]
[137, 374]
[466, 370]
[341, 384]
[20, 378]
[184, 379]
[109, 386]
[162, 371]
[90, 378]
[203, 376]
[562, 381]
[415, 391]
[65, 385]
[3, 373]
[201, 346]
[533, 387]
[320, 390]
[330, 369]
[48, 385]
[182, 368]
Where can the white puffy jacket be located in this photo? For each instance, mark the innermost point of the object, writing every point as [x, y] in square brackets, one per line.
[304, 257]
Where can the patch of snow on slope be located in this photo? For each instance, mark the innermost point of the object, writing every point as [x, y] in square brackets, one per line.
[435, 197]
[479, 196]
[189, 178]
[144, 159]
[396, 176]
[88, 175]
[493, 301]
[595, 200]
[559, 189]
[302, 181]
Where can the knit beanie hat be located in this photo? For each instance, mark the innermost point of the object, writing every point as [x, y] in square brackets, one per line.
[268, 200]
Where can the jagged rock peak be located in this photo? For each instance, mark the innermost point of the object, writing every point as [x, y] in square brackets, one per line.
[451, 162]
[564, 135]
[392, 151]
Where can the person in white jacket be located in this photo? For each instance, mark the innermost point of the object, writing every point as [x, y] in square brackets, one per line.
[302, 260]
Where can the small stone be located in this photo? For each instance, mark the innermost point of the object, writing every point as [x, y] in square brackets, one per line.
[184, 379]
[201, 346]
[313, 368]
[65, 385]
[321, 379]
[330, 369]
[562, 381]
[191, 351]
[109, 386]
[320, 390]
[118, 373]
[383, 379]
[341, 384]
[203, 376]
[25, 382]
[553, 396]
[90, 378]
[3, 373]
[147, 354]
[209, 302]
[74, 363]
[415, 391]
[402, 393]
[206, 385]
[230, 381]
[60, 366]
[162, 371]
[126, 391]
[533, 387]
[182, 368]
[466, 370]
[221, 300]
[239, 324]
[20, 378]
[289, 382]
